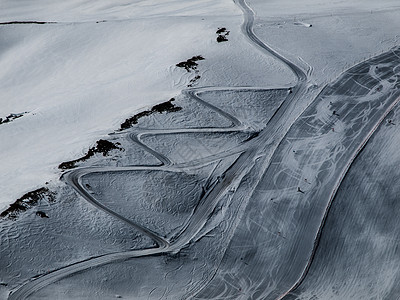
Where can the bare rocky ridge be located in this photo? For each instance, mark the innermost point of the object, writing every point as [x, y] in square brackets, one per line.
[11, 117]
[28, 201]
[167, 106]
[102, 146]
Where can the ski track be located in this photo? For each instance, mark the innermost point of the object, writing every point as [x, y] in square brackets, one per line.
[248, 152]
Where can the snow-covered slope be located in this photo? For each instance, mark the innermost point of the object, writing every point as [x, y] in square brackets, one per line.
[343, 33]
[80, 77]
[82, 11]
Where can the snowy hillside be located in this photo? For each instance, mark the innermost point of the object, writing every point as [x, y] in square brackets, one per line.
[199, 149]
[80, 77]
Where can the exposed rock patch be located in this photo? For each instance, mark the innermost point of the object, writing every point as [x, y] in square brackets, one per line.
[27, 201]
[222, 34]
[191, 63]
[11, 117]
[26, 22]
[167, 106]
[102, 146]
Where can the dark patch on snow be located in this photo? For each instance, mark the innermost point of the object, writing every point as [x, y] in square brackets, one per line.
[222, 34]
[26, 22]
[167, 106]
[252, 136]
[11, 117]
[27, 201]
[221, 30]
[222, 38]
[191, 63]
[193, 80]
[102, 146]
[41, 214]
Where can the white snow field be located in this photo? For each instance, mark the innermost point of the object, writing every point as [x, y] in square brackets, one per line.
[249, 150]
[79, 79]
[343, 33]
